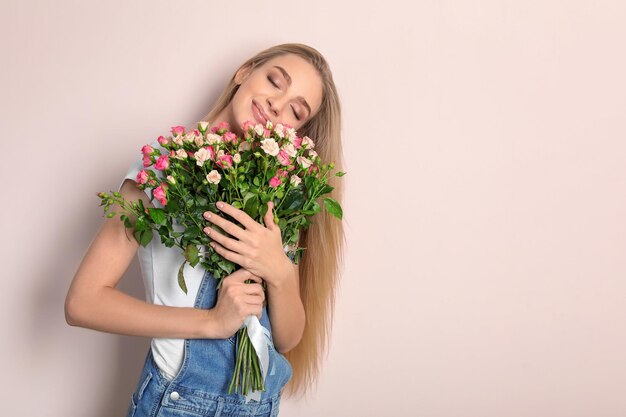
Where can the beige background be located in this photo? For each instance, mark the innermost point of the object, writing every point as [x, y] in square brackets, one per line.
[484, 144]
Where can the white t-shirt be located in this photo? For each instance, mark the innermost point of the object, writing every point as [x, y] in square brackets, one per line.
[159, 267]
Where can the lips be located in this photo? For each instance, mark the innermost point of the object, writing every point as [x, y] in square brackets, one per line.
[259, 114]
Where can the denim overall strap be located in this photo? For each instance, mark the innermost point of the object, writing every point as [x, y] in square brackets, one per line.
[201, 385]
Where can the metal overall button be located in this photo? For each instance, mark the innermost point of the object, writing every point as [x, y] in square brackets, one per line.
[174, 395]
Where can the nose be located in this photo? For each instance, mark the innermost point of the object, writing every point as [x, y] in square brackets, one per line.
[274, 106]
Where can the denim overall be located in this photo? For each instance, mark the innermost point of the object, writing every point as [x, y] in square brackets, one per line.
[200, 388]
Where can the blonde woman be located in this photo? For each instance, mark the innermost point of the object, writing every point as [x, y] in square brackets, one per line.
[189, 365]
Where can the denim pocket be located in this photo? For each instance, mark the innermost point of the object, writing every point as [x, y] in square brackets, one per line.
[143, 386]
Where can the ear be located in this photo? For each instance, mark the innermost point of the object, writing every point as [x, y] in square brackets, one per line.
[242, 73]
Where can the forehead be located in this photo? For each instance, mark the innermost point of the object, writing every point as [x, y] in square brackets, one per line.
[305, 81]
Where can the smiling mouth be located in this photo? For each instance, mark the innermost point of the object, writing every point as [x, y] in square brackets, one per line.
[258, 113]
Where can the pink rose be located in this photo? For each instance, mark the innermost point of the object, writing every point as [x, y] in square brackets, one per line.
[142, 177]
[283, 157]
[162, 140]
[297, 142]
[178, 130]
[159, 192]
[247, 125]
[147, 161]
[229, 137]
[162, 163]
[147, 150]
[211, 150]
[275, 182]
[224, 161]
[220, 126]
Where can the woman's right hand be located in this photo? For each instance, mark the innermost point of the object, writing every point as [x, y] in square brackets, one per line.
[236, 300]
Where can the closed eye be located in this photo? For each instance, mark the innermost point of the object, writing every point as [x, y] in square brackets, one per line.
[274, 84]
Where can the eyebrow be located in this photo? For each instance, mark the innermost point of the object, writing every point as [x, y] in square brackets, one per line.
[300, 98]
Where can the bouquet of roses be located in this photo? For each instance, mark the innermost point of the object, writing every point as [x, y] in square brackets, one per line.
[194, 170]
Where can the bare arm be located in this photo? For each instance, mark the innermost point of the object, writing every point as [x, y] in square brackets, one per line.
[94, 302]
[286, 310]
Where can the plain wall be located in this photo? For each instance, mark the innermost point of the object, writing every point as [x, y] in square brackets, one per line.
[485, 194]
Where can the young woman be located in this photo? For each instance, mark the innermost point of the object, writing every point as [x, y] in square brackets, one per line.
[189, 365]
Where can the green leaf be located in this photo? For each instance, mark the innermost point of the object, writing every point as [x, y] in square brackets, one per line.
[325, 189]
[157, 215]
[237, 204]
[192, 232]
[294, 200]
[333, 207]
[127, 223]
[141, 224]
[144, 237]
[181, 278]
[191, 254]
[251, 204]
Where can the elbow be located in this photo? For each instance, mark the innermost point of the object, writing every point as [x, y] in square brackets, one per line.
[284, 349]
[71, 311]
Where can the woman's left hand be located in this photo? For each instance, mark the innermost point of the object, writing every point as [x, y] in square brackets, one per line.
[257, 248]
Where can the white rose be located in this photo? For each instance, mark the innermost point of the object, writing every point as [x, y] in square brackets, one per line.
[212, 138]
[202, 126]
[190, 137]
[270, 146]
[308, 142]
[304, 162]
[295, 180]
[291, 134]
[199, 141]
[258, 129]
[181, 154]
[290, 149]
[244, 146]
[202, 155]
[178, 139]
[237, 158]
[280, 130]
[312, 154]
[213, 177]
[171, 179]
[268, 125]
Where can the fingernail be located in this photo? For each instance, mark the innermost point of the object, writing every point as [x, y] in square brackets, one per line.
[207, 215]
[220, 205]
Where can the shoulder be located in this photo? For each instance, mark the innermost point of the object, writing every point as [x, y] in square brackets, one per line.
[131, 192]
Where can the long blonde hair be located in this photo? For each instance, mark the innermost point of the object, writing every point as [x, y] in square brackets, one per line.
[324, 239]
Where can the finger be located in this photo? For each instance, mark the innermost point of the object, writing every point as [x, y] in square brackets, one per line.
[237, 214]
[242, 275]
[227, 242]
[269, 216]
[227, 226]
[254, 299]
[227, 254]
[255, 289]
